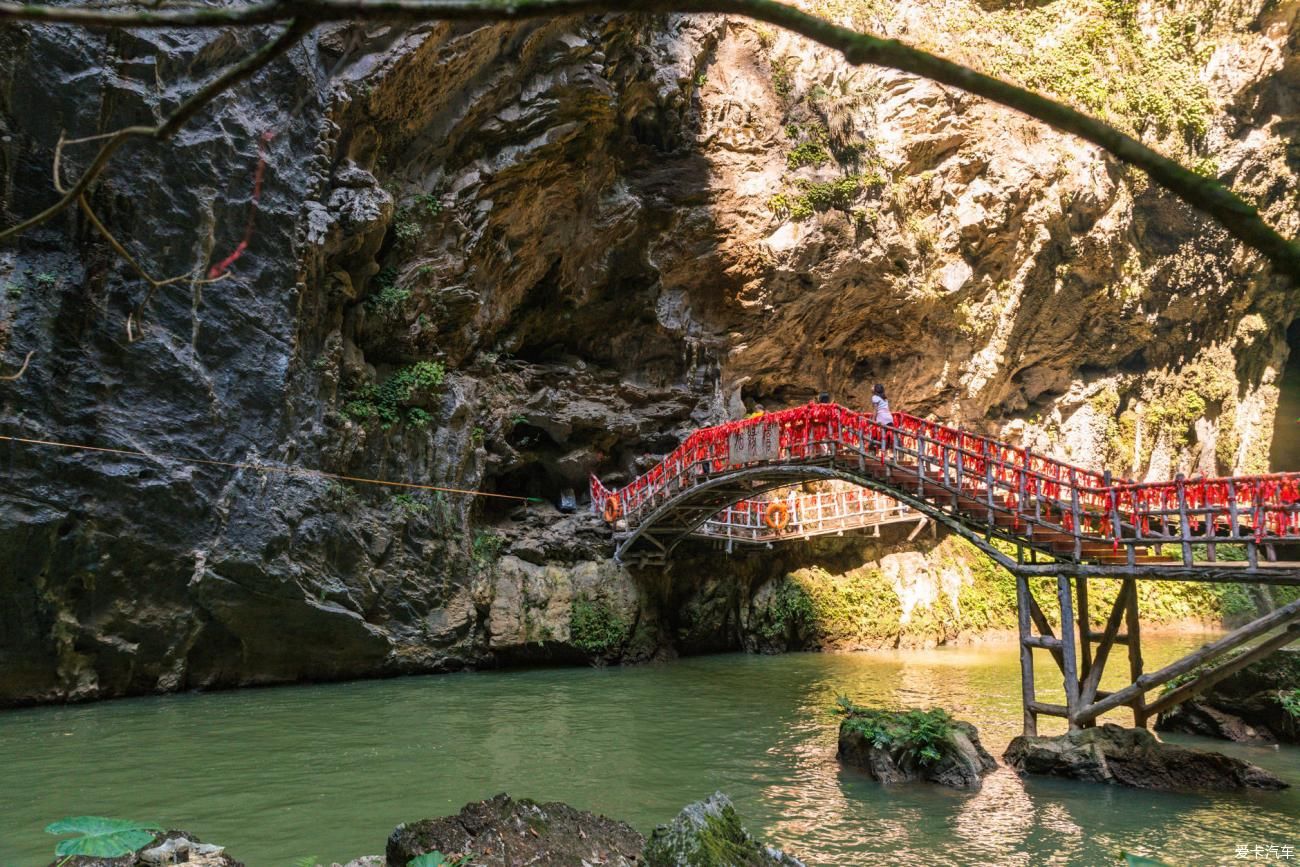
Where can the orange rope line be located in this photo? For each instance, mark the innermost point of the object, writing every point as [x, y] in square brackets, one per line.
[305, 471]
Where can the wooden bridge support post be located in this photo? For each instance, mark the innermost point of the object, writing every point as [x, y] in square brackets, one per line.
[1069, 662]
[1027, 699]
[1085, 628]
[1135, 650]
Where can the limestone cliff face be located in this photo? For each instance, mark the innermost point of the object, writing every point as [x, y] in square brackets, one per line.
[499, 258]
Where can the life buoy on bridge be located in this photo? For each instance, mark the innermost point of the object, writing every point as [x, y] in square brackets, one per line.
[777, 516]
[613, 508]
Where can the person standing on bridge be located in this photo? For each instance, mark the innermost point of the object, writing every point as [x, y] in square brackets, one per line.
[883, 416]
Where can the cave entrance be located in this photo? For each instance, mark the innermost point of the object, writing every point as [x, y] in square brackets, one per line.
[1284, 453]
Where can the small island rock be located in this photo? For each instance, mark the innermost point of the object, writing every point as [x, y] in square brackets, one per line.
[905, 746]
[1133, 757]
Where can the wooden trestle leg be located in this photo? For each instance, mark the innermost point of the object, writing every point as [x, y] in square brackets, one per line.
[1135, 651]
[1069, 661]
[1026, 655]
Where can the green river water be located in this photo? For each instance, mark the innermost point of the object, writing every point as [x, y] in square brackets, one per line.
[277, 774]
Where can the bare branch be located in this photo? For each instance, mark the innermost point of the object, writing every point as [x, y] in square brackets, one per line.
[21, 370]
[1241, 221]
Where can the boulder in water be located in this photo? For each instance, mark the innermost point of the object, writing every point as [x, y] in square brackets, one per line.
[1254, 705]
[1133, 757]
[910, 745]
[503, 832]
[708, 833]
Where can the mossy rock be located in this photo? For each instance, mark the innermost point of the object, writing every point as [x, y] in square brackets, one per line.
[708, 833]
[504, 831]
[913, 745]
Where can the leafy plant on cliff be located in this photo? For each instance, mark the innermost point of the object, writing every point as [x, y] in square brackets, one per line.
[409, 505]
[485, 550]
[809, 153]
[405, 228]
[783, 75]
[595, 627]
[340, 496]
[100, 837]
[912, 735]
[388, 297]
[385, 401]
[1290, 702]
[431, 203]
[790, 609]
[818, 196]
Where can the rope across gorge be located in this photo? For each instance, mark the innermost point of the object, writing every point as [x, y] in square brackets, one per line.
[285, 469]
[1269, 504]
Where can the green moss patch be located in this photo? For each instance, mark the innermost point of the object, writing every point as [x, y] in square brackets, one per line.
[594, 627]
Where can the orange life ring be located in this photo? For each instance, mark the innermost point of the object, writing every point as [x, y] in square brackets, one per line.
[777, 516]
[613, 508]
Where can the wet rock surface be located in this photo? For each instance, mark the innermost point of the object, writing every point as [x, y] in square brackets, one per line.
[1249, 706]
[508, 832]
[957, 760]
[1133, 757]
[709, 833]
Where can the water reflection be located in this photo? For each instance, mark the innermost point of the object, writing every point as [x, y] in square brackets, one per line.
[278, 774]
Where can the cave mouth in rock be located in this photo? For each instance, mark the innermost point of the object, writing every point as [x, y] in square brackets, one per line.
[1284, 453]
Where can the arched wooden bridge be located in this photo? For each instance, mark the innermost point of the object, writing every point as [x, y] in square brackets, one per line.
[1061, 520]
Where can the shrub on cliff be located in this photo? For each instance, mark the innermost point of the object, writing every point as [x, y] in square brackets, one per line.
[594, 627]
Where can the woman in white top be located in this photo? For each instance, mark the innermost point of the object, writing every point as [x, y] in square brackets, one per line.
[881, 405]
[883, 415]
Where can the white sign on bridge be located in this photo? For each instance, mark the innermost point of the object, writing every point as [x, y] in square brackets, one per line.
[759, 443]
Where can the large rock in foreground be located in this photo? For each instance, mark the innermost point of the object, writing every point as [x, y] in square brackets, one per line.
[904, 746]
[503, 832]
[708, 833]
[1249, 706]
[169, 847]
[1133, 757]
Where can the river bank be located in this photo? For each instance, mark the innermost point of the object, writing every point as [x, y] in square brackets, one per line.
[328, 770]
[543, 592]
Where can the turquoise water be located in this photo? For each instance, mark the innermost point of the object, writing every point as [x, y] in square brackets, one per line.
[277, 774]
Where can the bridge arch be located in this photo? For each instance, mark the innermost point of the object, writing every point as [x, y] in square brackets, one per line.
[655, 535]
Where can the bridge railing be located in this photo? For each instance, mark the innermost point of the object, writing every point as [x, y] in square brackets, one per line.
[1195, 516]
[1005, 487]
[809, 515]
